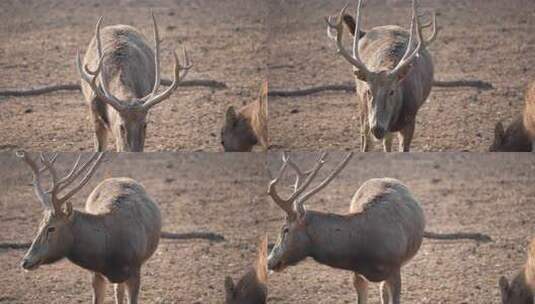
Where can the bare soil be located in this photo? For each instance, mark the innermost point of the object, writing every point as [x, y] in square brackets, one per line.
[491, 40]
[225, 193]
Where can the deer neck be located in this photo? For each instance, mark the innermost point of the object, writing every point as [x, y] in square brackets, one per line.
[89, 241]
[335, 239]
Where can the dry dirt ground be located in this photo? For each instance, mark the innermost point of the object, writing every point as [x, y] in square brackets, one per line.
[488, 193]
[490, 40]
[39, 39]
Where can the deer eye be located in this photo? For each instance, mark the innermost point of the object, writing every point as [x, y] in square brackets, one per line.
[50, 229]
[122, 129]
[391, 92]
[285, 230]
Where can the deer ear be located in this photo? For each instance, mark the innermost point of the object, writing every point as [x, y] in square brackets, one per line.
[499, 132]
[401, 74]
[231, 116]
[67, 210]
[504, 287]
[229, 287]
[360, 75]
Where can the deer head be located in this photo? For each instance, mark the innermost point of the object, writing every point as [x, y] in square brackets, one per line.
[54, 237]
[293, 244]
[248, 127]
[130, 126]
[382, 87]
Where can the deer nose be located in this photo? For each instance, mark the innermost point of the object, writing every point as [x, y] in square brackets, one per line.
[378, 132]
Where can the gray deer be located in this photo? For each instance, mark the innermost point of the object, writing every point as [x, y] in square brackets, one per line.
[382, 231]
[393, 78]
[118, 231]
[120, 81]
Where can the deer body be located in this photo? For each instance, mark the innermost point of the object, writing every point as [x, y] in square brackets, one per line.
[381, 49]
[120, 81]
[382, 213]
[118, 232]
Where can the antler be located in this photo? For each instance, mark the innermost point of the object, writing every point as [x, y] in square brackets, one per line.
[433, 23]
[355, 59]
[51, 199]
[294, 204]
[409, 56]
[152, 98]
[91, 76]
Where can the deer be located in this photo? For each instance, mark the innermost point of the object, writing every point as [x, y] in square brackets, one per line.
[393, 78]
[115, 235]
[252, 287]
[120, 79]
[522, 287]
[360, 241]
[520, 134]
[247, 127]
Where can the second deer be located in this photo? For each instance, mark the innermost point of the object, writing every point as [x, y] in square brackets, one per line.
[252, 287]
[247, 127]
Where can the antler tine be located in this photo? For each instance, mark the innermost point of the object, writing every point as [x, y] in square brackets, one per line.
[97, 34]
[326, 181]
[151, 101]
[95, 161]
[156, 56]
[73, 174]
[38, 188]
[353, 60]
[433, 22]
[319, 163]
[298, 173]
[409, 56]
[272, 191]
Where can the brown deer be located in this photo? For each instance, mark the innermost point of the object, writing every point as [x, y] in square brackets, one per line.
[361, 241]
[252, 287]
[247, 127]
[120, 81]
[393, 78]
[520, 135]
[118, 231]
[522, 288]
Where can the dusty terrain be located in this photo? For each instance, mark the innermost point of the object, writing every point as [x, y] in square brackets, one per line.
[39, 39]
[488, 193]
[490, 40]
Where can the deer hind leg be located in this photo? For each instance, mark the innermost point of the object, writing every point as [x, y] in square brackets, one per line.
[132, 287]
[405, 136]
[391, 289]
[387, 142]
[361, 286]
[98, 282]
[119, 293]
